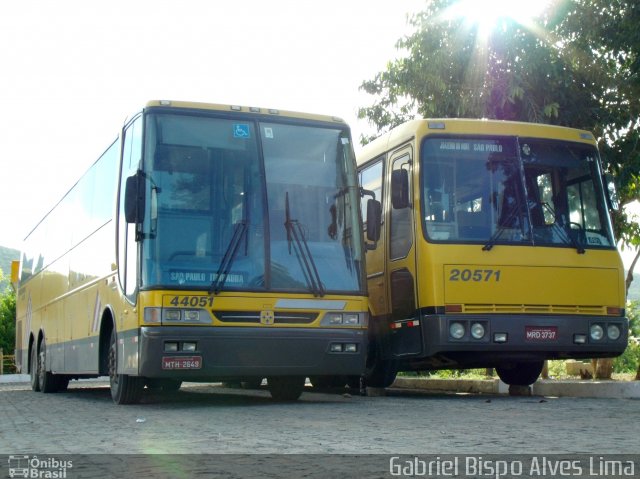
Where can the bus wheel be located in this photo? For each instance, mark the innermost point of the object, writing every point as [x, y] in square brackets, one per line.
[379, 373]
[47, 379]
[286, 388]
[35, 369]
[520, 374]
[125, 389]
[382, 374]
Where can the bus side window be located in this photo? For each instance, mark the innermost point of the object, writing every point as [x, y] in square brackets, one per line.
[127, 246]
[371, 179]
[401, 233]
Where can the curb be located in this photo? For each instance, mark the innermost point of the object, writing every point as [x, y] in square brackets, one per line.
[14, 378]
[545, 387]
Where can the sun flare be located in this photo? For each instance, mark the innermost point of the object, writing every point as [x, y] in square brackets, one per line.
[486, 14]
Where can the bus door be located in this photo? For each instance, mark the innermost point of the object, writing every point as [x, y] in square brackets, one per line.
[406, 337]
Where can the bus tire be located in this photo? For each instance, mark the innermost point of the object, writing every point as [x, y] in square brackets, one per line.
[47, 378]
[34, 374]
[125, 389]
[520, 373]
[379, 372]
[286, 388]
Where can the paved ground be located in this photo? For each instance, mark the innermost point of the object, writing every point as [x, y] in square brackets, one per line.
[212, 419]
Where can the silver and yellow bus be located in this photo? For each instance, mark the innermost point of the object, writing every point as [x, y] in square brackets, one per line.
[208, 242]
[496, 250]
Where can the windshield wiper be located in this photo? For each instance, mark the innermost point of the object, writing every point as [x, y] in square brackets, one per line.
[229, 255]
[501, 228]
[295, 236]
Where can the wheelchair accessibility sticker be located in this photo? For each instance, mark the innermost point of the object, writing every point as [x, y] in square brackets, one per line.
[241, 130]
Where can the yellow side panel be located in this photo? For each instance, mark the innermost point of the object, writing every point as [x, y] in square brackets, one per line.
[485, 284]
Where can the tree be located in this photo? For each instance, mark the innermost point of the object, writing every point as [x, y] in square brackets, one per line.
[577, 65]
[7, 319]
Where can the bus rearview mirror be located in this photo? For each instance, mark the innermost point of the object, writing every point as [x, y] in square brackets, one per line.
[134, 199]
[374, 220]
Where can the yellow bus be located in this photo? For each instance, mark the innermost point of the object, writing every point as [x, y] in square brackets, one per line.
[496, 250]
[208, 242]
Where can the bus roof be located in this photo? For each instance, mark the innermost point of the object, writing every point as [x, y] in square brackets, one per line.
[459, 126]
[186, 105]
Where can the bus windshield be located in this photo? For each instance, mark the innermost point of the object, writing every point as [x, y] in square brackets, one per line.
[249, 205]
[513, 191]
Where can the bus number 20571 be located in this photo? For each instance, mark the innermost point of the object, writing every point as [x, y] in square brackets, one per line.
[476, 275]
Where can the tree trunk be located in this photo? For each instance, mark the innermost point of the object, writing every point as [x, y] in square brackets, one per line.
[629, 279]
[603, 368]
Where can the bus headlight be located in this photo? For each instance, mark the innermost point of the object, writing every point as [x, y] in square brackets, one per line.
[477, 331]
[350, 318]
[456, 330]
[597, 333]
[191, 315]
[172, 315]
[613, 331]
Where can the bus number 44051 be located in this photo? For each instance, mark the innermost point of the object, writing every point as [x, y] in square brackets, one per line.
[474, 275]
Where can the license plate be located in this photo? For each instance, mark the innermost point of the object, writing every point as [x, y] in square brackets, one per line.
[181, 362]
[541, 333]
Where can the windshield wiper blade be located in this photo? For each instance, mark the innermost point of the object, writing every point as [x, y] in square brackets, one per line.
[229, 255]
[295, 236]
[501, 228]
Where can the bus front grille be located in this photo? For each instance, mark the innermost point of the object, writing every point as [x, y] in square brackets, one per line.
[254, 317]
[534, 309]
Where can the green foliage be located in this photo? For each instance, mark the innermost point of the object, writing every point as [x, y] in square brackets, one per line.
[629, 361]
[578, 66]
[557, 369]
[633, 314]
[459, 374]
[7, 319]
[7, 255]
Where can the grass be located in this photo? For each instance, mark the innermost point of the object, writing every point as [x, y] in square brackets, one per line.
[557, 370]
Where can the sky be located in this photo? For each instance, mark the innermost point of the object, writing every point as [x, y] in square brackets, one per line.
[72, 71]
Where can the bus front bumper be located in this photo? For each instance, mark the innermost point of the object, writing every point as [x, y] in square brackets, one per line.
[204, 353]
[525, 337]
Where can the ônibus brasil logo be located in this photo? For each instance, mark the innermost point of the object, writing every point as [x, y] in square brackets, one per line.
[34, 467]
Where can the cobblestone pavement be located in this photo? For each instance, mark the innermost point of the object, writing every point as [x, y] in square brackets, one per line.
[213, 419]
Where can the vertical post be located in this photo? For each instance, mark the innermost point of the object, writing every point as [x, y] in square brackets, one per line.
[1, 362]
